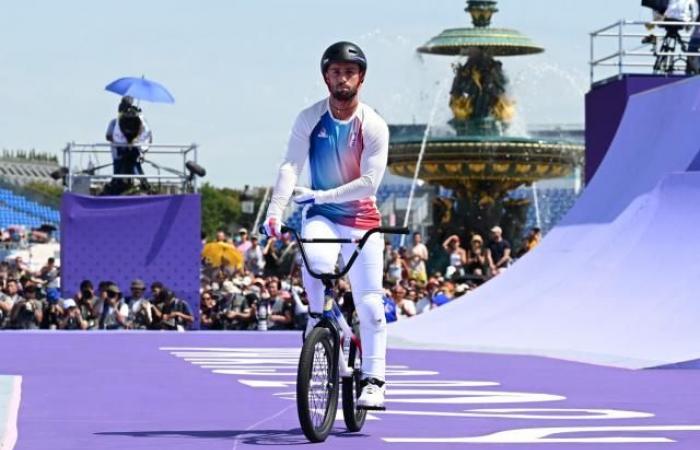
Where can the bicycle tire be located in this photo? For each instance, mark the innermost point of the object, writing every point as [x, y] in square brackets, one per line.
[315, 426]
[352, 386]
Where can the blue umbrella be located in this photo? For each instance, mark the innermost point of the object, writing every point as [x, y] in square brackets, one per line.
[141, 88]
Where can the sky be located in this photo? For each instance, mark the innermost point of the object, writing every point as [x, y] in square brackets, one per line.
[241, 70]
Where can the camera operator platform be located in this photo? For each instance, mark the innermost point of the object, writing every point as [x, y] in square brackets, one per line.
[666, 48]
[137, 167]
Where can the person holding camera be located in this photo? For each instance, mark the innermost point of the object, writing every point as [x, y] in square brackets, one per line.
[54, 311]
[89, 305]
[115, 312]
[140, 309]
[174, 313]
[72, 318]
[28, 312]
[235, 308]
[681, 11]
[130, 134]
[671, 11]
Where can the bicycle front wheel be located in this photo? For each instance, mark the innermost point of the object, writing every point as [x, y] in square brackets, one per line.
[317, 391]
[352, 387]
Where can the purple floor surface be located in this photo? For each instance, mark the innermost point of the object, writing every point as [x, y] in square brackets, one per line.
[235, 391]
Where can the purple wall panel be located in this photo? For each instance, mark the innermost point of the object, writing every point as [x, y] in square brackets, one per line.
[605, 104]
[155, 238]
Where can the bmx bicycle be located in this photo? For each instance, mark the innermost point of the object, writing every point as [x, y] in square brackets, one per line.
[331, 354]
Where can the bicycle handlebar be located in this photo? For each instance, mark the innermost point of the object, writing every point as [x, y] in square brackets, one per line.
[360, 243]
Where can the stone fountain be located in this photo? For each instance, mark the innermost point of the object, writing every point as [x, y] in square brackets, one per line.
[476, 159]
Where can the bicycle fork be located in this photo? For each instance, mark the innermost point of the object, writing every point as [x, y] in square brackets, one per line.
[334, 320]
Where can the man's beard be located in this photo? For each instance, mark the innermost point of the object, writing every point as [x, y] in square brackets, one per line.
[345, 94]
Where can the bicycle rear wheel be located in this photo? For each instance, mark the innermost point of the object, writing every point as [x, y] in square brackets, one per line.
[352, 387]
[317, 391]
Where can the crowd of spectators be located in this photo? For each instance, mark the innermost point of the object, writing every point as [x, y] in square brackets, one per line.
[32, 300]
[266, 293]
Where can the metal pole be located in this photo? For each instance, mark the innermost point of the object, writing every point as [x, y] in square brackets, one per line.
[426, 134]
[620, 52]
[592, 57]
[196, 159]
[70, 168]
[260, 210]
[183, 154]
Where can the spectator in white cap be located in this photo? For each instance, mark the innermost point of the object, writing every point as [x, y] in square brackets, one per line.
[500, 250]
[72, 318]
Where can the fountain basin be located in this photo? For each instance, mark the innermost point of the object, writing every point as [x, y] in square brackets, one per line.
[456, 161]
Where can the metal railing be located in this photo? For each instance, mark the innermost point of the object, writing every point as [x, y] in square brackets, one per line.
[89, 167]
[618, 49]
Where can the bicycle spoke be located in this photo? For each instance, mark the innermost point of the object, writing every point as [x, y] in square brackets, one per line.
[319, 386]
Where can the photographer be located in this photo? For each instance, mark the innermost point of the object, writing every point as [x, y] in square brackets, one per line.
[140, 309]
[673, 11]
[235, 309]
[131, 131]
[72, 317]
[89, 304]
[115, 311]
[157, 300]
[54, 311]
[176, 313]
[28, 312]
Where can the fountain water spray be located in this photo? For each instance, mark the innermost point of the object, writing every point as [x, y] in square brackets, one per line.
[426, 133]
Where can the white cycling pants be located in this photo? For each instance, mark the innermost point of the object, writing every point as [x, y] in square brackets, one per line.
[365, 280]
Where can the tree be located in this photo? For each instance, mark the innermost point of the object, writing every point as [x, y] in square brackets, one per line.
[220, 208]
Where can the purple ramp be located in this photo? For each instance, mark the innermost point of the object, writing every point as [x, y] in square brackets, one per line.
[615, 282]
[235, 391]
[155, 238]
[605, 104]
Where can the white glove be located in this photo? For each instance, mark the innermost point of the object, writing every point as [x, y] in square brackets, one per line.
[273, 226]
[306, 196]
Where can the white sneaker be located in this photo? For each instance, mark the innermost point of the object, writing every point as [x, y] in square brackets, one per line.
[372, 396]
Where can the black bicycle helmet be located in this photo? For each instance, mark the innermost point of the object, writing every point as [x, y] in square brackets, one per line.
[343, 52]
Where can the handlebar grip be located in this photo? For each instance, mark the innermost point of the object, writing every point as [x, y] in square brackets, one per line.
[394, 230]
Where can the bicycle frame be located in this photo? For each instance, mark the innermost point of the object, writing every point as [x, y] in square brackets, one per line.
[331, 317]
